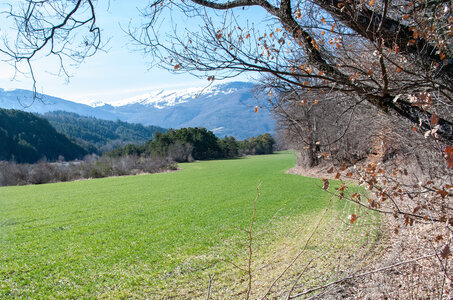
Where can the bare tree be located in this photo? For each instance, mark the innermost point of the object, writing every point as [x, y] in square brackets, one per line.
[395, 55]
[65, 30]
[321, 127]
[388, 53]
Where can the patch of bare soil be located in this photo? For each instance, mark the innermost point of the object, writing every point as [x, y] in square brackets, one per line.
[316, 172]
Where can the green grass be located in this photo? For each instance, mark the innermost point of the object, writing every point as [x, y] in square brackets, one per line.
[135, 236]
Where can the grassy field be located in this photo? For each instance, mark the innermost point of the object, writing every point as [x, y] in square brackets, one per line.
[144, 236]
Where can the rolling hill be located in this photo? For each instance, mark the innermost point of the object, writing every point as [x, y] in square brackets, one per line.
[25, 138]
[103, 135]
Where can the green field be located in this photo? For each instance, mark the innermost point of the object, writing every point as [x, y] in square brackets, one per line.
[145, 236]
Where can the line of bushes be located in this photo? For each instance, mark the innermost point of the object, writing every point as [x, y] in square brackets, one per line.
[92, 166]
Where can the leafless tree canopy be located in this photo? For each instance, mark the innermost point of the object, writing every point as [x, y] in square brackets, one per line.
[65, 30]
[396, 55]
[323, 127]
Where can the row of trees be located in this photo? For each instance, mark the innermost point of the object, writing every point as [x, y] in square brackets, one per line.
[188, 144]
[156, 155]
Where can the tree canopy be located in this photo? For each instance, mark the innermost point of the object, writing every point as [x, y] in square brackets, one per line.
[187, 144]
[100, 135]
[394, 54]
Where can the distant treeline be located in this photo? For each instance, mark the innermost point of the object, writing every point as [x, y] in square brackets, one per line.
[156, 155]
[188, 144]
[29, 138]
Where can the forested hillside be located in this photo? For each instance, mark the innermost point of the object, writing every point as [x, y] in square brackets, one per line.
[104, 135]
[27, 138]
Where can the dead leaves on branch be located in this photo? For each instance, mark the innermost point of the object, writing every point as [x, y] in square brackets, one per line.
[325, 184]
[449, 156]
[389, 193]
[446, 252]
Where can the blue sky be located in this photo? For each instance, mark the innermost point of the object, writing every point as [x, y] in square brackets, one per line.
[108, 76]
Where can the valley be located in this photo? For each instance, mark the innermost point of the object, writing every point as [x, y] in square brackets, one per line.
[163, 235]
[165, 149]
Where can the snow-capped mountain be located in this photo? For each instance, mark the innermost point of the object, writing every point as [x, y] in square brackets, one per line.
[166, 98]
[225, 109]
[161, 99]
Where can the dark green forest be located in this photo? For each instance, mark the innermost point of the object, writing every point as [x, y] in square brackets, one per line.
[27, 138]
[98, 135]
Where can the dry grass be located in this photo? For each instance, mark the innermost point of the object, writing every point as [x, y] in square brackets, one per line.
[415, 259]
[293, 254]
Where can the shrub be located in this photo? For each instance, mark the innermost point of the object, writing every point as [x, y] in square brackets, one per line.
[92, 166]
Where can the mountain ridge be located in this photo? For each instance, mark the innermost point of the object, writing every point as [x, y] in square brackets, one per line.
[98, 135]
[227, 108]
[25, 100]
[25, 139]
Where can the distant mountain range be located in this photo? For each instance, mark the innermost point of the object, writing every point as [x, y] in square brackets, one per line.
[24, 100]
[225, 109]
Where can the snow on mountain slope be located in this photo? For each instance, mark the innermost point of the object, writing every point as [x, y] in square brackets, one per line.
[166, 98]
[226, 109]
[162, 98]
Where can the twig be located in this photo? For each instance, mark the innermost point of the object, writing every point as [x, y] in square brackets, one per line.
[361, 275]
[268, 223]
[444, 272]
[211, 277]
[300, 253]
[299, 277]
[250, 233]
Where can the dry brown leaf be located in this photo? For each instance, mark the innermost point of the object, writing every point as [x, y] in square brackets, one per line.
[445, 253]
[326, 184]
